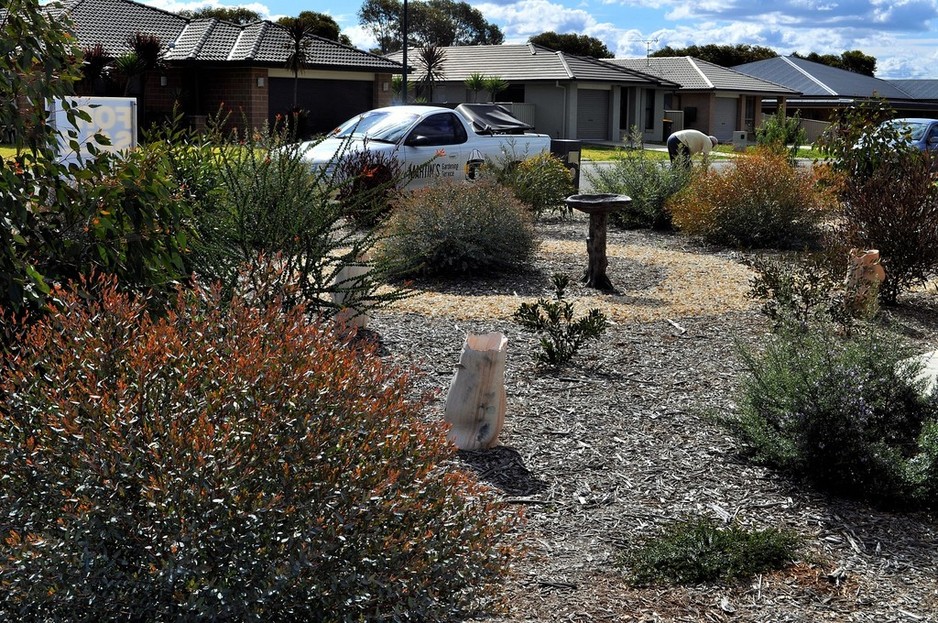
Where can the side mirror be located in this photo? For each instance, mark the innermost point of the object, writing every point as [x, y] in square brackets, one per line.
[418, 140]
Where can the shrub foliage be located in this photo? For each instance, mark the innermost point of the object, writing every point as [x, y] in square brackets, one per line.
[890, 199]
[761, 202]
[270, 226]
[846, 413]
[541, 182]
[695, 551]
[560, 335]
[895, 210]
[458, 228]
[649, 183]
[225, 462]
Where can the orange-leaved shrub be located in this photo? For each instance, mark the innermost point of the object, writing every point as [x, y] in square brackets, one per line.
[226, 463]
[760, 202]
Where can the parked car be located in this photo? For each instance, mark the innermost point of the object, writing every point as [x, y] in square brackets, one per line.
[921, 133]
[431, 142]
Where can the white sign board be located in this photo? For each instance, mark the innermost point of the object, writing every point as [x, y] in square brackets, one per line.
[114, 117]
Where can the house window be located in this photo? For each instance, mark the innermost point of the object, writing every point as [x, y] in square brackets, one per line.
[649, 109]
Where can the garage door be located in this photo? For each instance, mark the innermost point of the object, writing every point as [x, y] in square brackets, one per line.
[726, 115]
[592, 115]
[329, 102]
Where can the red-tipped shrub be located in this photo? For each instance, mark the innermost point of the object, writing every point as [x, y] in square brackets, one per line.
[225, 463]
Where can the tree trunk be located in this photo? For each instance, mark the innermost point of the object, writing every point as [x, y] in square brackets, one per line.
[475, 403]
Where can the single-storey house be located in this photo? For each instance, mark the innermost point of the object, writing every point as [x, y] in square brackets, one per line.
[825, 89]
[209, 62]
[563, 95]
[710, 98]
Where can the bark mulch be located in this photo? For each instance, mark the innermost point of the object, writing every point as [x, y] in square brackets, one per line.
[622, 441]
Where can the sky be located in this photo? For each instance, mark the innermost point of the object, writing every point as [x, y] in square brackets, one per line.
[901, 34]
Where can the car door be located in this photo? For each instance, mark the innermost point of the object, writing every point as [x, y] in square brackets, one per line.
[931, 138]
[435, 149]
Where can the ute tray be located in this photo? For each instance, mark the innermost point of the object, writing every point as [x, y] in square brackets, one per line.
[492, 119]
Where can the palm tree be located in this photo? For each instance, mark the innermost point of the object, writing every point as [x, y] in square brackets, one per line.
[94, 63]
[495, 85]
[432, 58]
[475, 83]
[300, 33]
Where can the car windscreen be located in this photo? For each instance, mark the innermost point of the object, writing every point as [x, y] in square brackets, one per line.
[389, 126]
[915, 129]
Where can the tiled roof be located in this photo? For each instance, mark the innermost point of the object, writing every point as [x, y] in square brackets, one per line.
[694, 74]
[525, 63]
[111, 22]
[816, 80]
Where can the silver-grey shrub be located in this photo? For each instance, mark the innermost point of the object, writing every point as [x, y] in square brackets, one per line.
[649, 182]
[458, 228]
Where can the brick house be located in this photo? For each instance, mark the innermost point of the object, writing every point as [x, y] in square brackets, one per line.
[209, 62]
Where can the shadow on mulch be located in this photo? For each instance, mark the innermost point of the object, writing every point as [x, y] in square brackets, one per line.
[503, 468]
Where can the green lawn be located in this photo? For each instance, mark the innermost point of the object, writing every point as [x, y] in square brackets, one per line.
[608, 152]
[6, 151]
[805, 151]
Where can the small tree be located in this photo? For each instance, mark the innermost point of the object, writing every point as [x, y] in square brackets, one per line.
[782, 134]
[495, 85]
[300, 35]
[431, 59]
[475, 83]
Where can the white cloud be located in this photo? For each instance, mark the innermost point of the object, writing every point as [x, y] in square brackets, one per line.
[175, 6]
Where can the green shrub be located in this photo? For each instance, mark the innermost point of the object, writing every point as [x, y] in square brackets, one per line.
[560, 335]
[804, 289]
[226, 463]
[541, 182]
[125, 216]
[782, 134]
[458, 228]
[119, 215]
[762, 201]
[648, 181]
[696, 551]
[845, 413]
[273, 227]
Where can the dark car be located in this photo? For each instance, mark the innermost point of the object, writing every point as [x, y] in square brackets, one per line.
[921, 133]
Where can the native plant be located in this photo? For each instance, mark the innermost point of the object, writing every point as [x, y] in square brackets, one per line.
[803, 290]
[782, 134]
[890, 201]
[368, 183]
[270, 224]
[848, 414]
[542, 182]
[698, 550]
[560, 335]
[453, 229]
[225, 461]
[762, 202]
[648, 182]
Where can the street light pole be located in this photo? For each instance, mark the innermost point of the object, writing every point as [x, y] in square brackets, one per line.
[404, 75]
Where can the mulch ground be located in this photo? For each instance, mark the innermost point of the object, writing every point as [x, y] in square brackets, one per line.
[621, 442]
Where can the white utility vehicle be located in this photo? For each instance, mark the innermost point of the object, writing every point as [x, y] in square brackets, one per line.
[431, 142]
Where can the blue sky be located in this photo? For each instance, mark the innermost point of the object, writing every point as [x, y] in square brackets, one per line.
[901, 34]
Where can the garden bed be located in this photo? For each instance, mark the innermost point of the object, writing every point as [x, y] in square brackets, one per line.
[621, 442]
